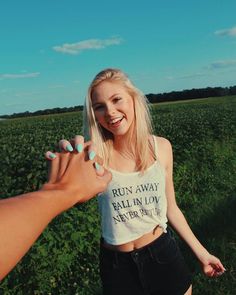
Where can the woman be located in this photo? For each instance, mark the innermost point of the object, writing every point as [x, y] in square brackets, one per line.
[138, 253]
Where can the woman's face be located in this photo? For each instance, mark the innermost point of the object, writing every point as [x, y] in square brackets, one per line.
[113, 107]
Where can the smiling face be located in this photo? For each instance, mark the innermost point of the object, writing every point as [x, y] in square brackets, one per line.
[113, 107]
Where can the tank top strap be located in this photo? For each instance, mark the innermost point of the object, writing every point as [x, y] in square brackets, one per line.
[155, 147]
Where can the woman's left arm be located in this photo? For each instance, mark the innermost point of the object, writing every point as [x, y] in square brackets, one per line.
[211, 265]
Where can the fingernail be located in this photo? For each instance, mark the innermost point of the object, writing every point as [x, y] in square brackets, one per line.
[52, 156]
[97, 166]
[69, 148]
[92, 155]
[79, 148]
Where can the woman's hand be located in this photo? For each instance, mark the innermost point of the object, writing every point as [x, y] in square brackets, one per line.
[212, 266]
[77, 170]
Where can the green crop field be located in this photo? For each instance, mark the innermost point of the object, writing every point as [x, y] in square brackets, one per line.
[64, 260]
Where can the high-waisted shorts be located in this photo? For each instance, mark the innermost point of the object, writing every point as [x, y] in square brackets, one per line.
[155, 269]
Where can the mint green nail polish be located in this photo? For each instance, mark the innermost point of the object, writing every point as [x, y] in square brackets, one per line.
[92, 155]
[69, 148]
[97, 166]
[52, 156]
[79, 148]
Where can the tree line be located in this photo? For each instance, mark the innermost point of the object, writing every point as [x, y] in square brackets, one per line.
[152, 98]
[192, 94]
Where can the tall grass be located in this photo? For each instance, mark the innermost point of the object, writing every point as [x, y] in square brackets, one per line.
[64, 260]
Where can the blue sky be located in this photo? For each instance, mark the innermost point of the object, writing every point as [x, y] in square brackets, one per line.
[51, 49]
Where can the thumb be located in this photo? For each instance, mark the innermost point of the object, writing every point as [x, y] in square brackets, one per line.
[208, 270]
[104, 179]
[107, 177]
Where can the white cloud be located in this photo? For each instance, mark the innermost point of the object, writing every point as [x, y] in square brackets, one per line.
[222, 64]
[77, 48]
[192, 76]
[189, 76]
[227, 32]
[19, 76]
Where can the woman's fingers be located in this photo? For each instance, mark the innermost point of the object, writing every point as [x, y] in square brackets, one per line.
[57, 165]
[63, 164]
[50, 155]
[80, 172]
[93, 177]
[220, 266]
[88, 150]
[91, 151]
[54, 165]
[79, 143]
[76, 144]
[98, 165]
[99, 169]
[65, 145]
[213, 267]
[98, 160]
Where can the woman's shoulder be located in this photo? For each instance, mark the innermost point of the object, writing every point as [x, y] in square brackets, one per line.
[162, 142]
[164, 151]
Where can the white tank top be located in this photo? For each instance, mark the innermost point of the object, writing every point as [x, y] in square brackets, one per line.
[133, 204]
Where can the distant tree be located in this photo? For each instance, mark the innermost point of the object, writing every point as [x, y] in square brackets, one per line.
[152, 98]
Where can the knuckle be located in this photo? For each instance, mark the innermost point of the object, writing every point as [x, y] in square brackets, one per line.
[79, 137]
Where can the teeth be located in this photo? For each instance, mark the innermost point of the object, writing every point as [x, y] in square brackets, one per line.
[115, 120]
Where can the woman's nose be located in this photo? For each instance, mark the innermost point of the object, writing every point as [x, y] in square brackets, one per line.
[110, 110]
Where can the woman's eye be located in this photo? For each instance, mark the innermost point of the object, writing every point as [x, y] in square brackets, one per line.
[98, 107]
[116, 99]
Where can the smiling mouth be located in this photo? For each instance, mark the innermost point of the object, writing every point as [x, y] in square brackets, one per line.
[116, 121]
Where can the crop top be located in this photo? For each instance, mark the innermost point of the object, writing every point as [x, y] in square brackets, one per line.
[133, 204]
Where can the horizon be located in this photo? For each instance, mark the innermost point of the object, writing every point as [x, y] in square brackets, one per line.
[159, 102]
[51, 51]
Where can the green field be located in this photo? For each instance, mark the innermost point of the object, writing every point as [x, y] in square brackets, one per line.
[65, 258]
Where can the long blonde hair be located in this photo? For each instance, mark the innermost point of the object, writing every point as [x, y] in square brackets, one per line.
[142, 123]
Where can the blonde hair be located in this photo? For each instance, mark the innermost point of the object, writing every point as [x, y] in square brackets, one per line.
[141, 147]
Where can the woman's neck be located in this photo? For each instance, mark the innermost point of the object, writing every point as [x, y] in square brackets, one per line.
[124, 143]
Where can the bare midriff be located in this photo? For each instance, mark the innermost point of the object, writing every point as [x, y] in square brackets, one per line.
[138, 243]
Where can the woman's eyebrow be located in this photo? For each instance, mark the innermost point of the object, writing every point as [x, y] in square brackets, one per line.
[116, 94]
[101, 102]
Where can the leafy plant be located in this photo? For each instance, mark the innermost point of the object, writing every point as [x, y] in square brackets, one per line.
[64, 260]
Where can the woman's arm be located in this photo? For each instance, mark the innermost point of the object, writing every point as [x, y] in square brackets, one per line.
[72, 179]
[211, 264]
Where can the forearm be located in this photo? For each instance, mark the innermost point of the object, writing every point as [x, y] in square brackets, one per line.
[179, 223]
[22, 220]
[211, 265]
[72, 179]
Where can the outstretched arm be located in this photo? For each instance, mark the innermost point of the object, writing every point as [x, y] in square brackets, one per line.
[72, 179]
[211, 265]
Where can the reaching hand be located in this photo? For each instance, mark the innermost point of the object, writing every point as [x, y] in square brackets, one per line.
[77, 170]
[73, 177]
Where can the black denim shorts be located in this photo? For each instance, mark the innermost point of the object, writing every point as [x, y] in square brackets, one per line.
[155, 269]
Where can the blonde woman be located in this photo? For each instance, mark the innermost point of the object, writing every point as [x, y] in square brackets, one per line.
[138, 253]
